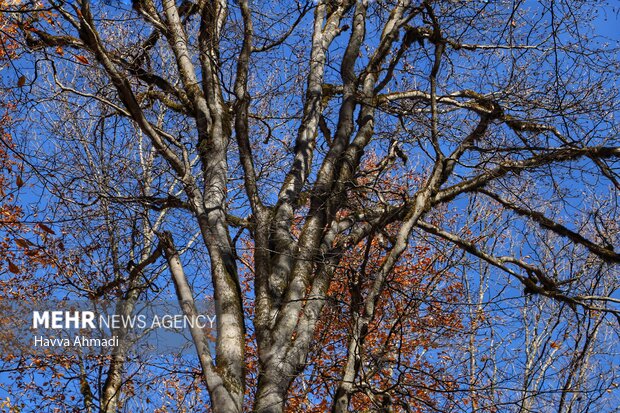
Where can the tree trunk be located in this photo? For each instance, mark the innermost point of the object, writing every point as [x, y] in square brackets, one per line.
[270, 396]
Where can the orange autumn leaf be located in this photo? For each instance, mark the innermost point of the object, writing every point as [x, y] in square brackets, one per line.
[82, 59]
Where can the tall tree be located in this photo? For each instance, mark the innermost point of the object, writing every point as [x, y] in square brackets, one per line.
[264, 117]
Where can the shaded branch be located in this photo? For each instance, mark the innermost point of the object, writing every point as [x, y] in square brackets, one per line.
[606, 253]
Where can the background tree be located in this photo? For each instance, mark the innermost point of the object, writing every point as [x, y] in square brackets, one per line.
[282, 123]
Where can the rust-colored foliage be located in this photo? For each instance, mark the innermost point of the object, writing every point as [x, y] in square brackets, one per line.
[402, 349]
[25, 249]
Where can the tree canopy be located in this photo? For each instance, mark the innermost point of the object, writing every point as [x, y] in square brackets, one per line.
[395, 205]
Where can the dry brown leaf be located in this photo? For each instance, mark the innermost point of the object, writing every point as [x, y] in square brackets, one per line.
[13, 268]
[46, 228]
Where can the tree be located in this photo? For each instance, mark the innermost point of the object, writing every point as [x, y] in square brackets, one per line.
[24, 244]
[27, 245]
[262, 120]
